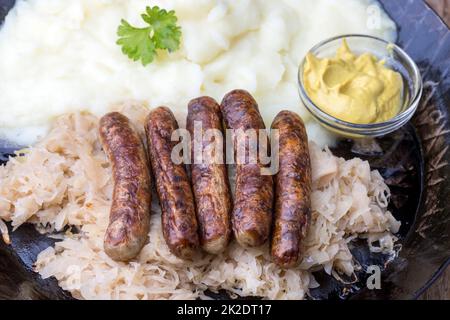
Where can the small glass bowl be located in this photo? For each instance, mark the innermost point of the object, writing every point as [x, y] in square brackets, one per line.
[395, 58]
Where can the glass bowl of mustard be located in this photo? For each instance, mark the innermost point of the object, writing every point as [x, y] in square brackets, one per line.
[359, 86]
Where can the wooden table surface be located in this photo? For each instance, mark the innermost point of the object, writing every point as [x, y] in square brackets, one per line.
[442, 7]
[440, 289]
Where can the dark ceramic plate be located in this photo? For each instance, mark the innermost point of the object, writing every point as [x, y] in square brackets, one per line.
[414, 161]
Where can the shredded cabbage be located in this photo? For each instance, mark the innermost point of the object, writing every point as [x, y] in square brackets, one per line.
[65, 180]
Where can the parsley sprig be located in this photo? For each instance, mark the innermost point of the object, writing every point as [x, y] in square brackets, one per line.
[163, 33]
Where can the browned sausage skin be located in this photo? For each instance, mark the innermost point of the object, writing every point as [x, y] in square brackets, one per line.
[292, 189]
[253, 201]
[210, 180]
[130, 211]
[179, 223]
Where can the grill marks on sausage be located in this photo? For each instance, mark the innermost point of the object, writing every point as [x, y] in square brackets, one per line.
[209, 197]
[210, 180]
[292, 190]
[179, 223]
[130, 210]
[252, 213]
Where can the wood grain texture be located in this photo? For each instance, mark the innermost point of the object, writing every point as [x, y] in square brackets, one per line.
[442, 7]
[440, 289]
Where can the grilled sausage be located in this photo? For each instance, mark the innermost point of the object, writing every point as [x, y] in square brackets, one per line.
[209, 178]
[253, 201]
[179, 223]
[292, 189]
[130, 211]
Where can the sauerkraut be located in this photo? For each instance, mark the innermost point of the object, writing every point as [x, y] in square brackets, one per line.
[63, 184]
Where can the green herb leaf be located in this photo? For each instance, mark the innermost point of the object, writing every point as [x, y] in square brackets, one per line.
[141, 43]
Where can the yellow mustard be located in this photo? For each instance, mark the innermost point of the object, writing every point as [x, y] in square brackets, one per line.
[356, 89]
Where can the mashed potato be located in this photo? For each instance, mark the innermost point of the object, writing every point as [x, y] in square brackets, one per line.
[60, 56]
